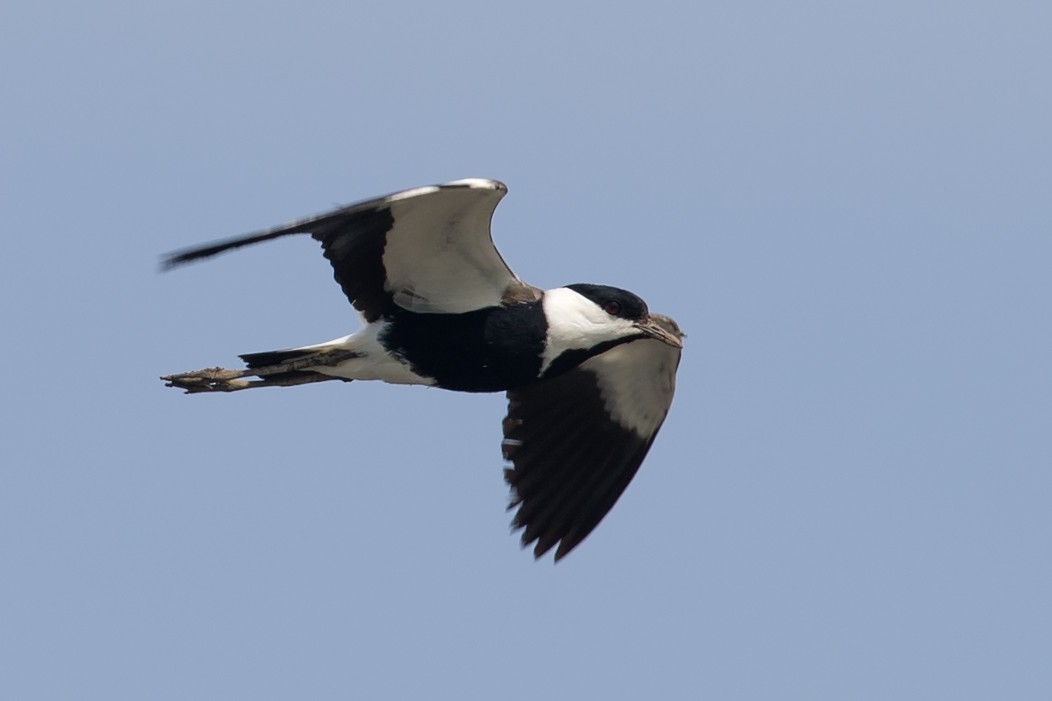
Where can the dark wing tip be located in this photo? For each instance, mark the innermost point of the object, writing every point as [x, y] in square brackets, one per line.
[177, 258]
[188, 255]
[310, 225]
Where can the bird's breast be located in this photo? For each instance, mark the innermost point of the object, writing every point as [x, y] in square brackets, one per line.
[486, 350]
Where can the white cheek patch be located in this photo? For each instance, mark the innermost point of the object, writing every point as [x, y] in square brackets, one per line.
[637, 381]
[577, 323]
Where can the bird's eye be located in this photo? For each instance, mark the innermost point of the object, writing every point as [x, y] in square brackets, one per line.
[612, 308]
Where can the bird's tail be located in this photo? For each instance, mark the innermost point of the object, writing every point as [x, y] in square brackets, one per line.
[277, 357]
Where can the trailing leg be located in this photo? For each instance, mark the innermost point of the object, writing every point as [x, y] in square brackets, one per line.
[282, 369]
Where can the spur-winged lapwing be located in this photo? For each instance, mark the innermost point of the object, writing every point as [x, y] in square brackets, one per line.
[589, 372]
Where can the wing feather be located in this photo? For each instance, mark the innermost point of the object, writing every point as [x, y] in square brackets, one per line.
[425, 250]
[576, 440]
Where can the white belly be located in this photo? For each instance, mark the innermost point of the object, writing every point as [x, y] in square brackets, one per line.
[373, 363]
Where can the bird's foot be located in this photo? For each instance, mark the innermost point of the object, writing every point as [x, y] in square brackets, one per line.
[292, 372]
[209, 380]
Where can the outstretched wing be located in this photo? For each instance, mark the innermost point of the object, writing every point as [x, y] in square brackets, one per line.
[426, 250]
[576, 440]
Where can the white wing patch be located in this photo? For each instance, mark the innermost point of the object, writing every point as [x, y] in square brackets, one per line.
[439, 256]
[637, 381]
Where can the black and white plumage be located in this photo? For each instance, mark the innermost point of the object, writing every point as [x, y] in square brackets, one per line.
[588, 370]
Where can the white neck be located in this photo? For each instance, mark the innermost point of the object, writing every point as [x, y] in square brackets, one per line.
[577, 323]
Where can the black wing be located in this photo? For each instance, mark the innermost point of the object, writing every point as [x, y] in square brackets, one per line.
[576, 440]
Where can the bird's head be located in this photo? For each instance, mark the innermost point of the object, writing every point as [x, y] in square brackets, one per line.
[585, 320]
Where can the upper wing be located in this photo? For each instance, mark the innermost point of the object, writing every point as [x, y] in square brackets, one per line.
[576, 440]
[426, 250]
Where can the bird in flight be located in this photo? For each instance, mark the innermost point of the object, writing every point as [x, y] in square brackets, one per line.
[589, 372]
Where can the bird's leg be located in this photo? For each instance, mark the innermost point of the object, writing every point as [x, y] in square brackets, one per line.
[223, 380]
[287, 374]
[209, 380]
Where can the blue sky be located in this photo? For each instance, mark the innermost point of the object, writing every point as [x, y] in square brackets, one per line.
[845, 205]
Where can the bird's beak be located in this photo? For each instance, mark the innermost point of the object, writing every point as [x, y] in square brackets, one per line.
[662, 329]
